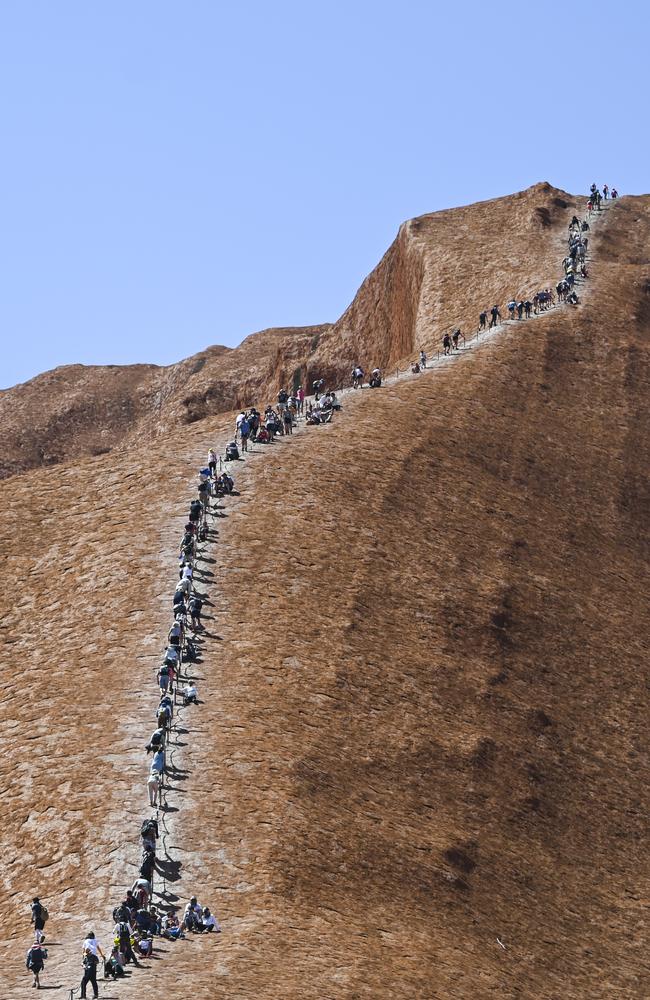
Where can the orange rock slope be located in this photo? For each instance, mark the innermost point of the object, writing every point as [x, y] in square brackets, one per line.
[420, 765]
[439, 272]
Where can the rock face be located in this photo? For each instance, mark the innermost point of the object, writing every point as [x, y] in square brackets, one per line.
[420, 767]
[439, 271]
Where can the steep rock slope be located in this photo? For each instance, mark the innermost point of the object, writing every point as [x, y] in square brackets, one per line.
[440, 271]
[425, 714]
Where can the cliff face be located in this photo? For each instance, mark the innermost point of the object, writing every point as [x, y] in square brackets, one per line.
[440, 271]
[420, 765]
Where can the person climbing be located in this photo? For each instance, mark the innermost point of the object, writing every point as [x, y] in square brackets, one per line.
[38, 919]
[154, 788]
[35, 962]
[288, 421]
[91, 950]
[446, 344]
[157, 741]
[496, 316]
[317, 386]
[122, 933]
[175, 634]
[482, 320]
[423, 359]
[212, 461]
[520, 309]
[196, 511]
[196, 606]
[244, 433]
[357, 377]
[512, 305]
[605, 192]
[300, 399]
[456, 337]
[614, 193]
[158, 762]
[375, 379]
[163, 678]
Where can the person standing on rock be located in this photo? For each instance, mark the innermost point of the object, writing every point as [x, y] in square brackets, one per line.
[496, 316]
[300, 397]
[35, 962]
[456, 337]
[39, 917]
[91, 951]
[482, 320]
[423, 359]
[153, 787]
[446, 344]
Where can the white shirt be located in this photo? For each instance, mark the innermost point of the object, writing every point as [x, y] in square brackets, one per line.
[92, 944]
[211, 921]
[191, 691]
[239, 419]
[187, 574]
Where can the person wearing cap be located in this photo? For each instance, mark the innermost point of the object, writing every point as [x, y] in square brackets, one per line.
[38, 919]
[35, 962]
[91, 950]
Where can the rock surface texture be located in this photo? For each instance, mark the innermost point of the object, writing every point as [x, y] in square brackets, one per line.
[420, 769]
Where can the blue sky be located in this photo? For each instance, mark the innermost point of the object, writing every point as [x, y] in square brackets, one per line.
[176, 175]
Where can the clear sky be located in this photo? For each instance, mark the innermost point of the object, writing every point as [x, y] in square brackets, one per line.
[179, 174]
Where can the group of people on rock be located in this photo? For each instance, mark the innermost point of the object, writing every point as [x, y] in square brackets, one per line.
[137, 921]
[596, 198]
[574, 265]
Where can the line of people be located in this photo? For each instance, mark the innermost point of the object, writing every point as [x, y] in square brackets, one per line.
[137, 921]
[574, 265]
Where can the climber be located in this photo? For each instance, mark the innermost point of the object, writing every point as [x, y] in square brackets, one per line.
[196, 606]
[157, 740]
[446, 343]
[154, 787]
[244, 433]
[375, 379]
[35, 962]
[423, 360]
[496, 316]
[482, 320]
[91, 948]
[357, 377]
[38, 919]
[456, 337]
[212, 461]
[512, 305]
[122, 934]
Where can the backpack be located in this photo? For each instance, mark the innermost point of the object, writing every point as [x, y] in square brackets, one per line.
[232, 452]
[282, 396]
[164, 670]
[190, 651]
[149, 826]
[124, 935]
[44, 913]
[36, 962]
